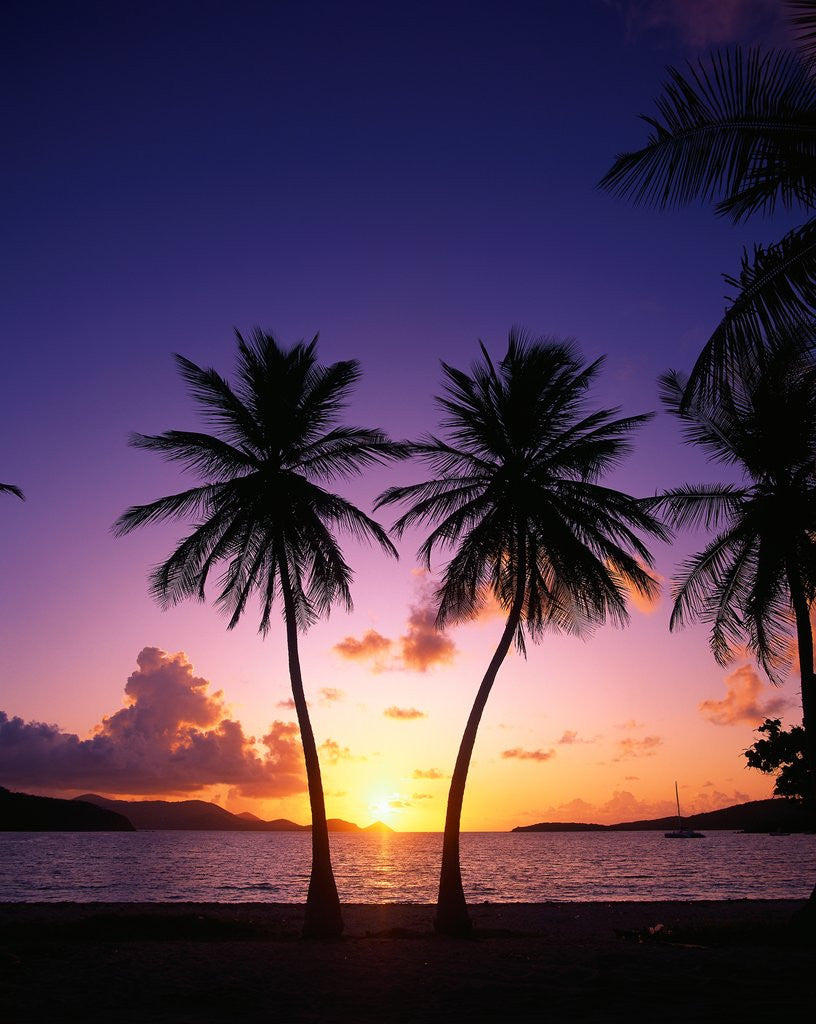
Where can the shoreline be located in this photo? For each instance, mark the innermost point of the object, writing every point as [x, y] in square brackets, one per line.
[575, 961]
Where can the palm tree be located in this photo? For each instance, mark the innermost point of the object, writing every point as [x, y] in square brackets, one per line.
[740, 131]
[12, 489]
[514, 492]
[263, 515]
[755, 580]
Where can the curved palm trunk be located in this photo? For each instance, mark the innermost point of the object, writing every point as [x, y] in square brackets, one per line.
[804, 639]
[322, 919]
[452, 916]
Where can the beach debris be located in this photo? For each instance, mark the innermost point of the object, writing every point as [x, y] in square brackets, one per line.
[655, 932]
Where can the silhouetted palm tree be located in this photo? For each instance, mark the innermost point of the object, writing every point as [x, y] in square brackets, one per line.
[263, 515]
[514, 492]
[741, 130]
[755, 581]
[11, 489]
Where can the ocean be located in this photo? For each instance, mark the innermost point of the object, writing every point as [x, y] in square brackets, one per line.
[497, 867]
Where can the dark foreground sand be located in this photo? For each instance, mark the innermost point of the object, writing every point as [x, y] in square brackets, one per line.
[723, 961]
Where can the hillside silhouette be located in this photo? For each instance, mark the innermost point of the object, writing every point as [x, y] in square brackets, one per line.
[755, 816]
[21, 812]
[201, 815]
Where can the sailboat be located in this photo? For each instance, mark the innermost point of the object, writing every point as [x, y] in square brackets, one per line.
[680, 832]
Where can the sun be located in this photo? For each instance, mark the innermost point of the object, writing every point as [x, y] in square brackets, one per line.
[385, 806]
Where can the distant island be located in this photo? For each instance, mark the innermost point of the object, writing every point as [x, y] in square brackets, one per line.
[755, 816]
[21, 812]
[91, 812]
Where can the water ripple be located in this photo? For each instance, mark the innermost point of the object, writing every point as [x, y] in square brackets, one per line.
[502, 867]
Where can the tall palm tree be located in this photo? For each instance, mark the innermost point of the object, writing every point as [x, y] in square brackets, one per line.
[740, 130]
[262, 513]
[755, 580]
[12, 489]
[514, 493]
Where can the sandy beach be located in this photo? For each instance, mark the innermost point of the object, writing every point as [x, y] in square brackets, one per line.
[724, 961]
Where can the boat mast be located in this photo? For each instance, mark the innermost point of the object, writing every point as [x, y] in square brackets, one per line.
[677, 797]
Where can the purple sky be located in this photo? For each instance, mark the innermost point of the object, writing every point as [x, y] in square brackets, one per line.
[403, 179]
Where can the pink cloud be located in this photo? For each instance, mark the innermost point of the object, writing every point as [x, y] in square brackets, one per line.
[172, 737]
[622, 806]
[423, 645]
[404, 714]
[419, 648]
[643, 603]
[570, 736]
[372, 646]
[645, 746]
[625, 806]
[701, 24]
[330, 695]
[743, 702]
[528, 755]
[334, 753]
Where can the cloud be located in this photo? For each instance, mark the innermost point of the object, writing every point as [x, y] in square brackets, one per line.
[427, 773]
[419, 648]
[423, 645]
[404, 714]
[571, 736]
[172, 737]
[334, 753]
[643, 603]
[625, 806]
[372, 646]
[645, 746]
[399, 805]
[490, 609]
[289, 704]
[743, 701]
[702, 23]
[630, 724]
[622, 806]
[528, 755]
[330, 695]
[422, 796]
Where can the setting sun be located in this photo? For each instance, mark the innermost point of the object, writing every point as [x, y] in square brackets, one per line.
[385, 806]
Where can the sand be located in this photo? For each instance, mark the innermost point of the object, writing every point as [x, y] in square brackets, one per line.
[723, 961]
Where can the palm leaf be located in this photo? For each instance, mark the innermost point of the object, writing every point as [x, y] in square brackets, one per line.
[742, 128]
[775, 299]
[803, 18]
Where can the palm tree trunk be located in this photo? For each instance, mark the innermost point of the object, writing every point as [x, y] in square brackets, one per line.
[322, 919]
[804, 639]
[452, 916]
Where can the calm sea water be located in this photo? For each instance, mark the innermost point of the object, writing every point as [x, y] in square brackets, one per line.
[226, 867]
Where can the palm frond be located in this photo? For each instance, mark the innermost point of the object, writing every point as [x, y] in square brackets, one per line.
[775, 299]
[12, 489]
[803, 18]
[201, 453]
[349, 451]
[693, 505]
[190, 502]
[741, 128]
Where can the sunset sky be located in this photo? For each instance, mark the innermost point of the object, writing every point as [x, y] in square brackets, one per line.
[404, 179]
